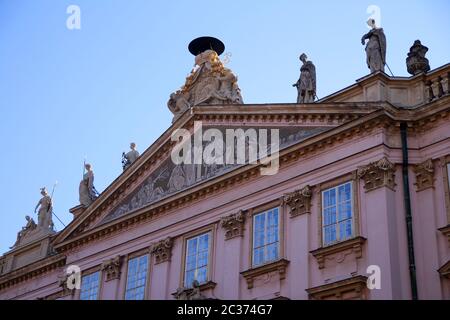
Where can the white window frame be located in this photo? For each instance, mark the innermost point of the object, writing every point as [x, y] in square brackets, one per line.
[128, 276]
[208, 264]
[83, 289]
[266, 260]
[323, 226]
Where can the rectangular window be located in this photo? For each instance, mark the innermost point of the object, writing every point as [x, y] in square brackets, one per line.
[337, 213]
[266, 244]
[197, 259]
[90, 286]
[137, 278]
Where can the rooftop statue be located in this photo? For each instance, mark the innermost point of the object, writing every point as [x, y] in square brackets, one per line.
[209, 81]
[87, 190]
[375, 48]
[306, 84]
[30, 226]
[416, 62]
[45, 206]
[130, 157]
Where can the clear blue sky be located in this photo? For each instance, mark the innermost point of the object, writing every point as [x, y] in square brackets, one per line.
[66, 94]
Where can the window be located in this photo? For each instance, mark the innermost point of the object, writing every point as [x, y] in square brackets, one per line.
[337, 213]
[136, 278]
[197, 258]
[266, 244]
[90, 286]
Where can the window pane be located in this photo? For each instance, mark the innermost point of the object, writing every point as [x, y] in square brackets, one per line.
[345, 210]
[90, 286]
[329, 197]
[136, 278]
[266, 236]
[197, 259]
[330, 234]
[258, 256]
[345, 192]
[329, 216]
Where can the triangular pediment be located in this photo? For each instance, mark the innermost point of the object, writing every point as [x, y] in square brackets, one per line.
[154, 177]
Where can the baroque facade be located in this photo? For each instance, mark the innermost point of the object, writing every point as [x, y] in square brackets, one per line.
[362, 183]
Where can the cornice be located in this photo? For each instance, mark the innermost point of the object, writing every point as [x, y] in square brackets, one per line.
[31, 271]
[363, 125]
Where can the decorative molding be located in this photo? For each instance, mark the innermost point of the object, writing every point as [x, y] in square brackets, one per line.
[353, 128]
[162, 250]
[279, 266]
[112, 268]
[424, 175]
[378, 174]
[234, 225]
[446, 232]
[354, 245]
[63, 279]
[194, 292]
[299, 201]
[444, 271]
[32, 271]
[354, 288]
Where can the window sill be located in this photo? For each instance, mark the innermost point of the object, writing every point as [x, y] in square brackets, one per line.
[353, 244]
[276, 266]
[186, 293]
[351, 288]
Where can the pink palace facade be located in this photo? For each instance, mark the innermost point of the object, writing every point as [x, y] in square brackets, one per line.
[362, 189]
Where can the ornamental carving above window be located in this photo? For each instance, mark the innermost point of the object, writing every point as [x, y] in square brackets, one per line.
[112, 268]
[378, 174]
[424, 175]
[299, 201]
[233, 225]
[162, 250]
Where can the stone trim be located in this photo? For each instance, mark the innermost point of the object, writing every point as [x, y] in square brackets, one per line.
[32, 271]
[234, 225]
[112, 268]
[299, 201]
[424, 175]
[378, 174]
[310, 146]
[335, 290]
[184, 293]
[444, 161]
[354, 244]
[279, 266]
[162, 250]
[446, 232]
[444, 271]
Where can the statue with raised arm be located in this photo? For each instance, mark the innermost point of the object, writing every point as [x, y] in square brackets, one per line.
[306, 84]
[375, 48]
[45, 210]
[87, 190]
[130, 157]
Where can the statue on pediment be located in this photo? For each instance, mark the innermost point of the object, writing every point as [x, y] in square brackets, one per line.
[416, 62]
[375, 48]
[130, 157]
[209, 83]
[306, 84]
[45, 207]
[30, 226]
[87, 190]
